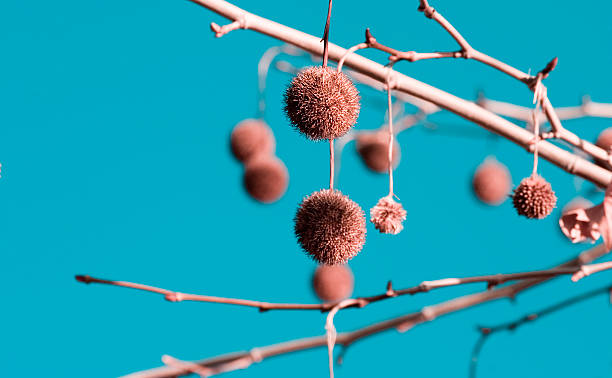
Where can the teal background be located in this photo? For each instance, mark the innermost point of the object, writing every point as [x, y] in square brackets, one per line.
[114, 126]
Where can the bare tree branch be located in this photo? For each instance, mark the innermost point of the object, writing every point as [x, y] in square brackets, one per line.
[485, 332]
[223, 363]
[577, 272]
[402, 83]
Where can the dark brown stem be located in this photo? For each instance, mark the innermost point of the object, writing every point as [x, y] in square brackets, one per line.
[326, 35]
[411, 56]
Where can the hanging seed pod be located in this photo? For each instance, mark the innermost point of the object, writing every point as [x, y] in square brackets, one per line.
[373, 148]
[250, 138]
[387, 216]
[492, 182]
[534, 198]
[266, 178]
[332, 283]
[330, 227]
[322, 103]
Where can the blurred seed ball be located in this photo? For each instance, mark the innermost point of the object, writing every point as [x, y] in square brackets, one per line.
[330, 227]
[265, 178]
[387, 216]
[604, 141]
[250, 138]
[577, 203]
[492, 182]
[373, 148]
[332, 283]
[534, 198]
[322, 103]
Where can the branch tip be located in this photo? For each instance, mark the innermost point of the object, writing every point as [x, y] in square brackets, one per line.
[549, 67]
[484, 330]
[369, 38]
[390, 291]
[83, 278]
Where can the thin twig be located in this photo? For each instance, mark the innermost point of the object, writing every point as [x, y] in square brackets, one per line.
[468, 52]
[522, 113]
[486, 332]
[403, 322]
[425, 286]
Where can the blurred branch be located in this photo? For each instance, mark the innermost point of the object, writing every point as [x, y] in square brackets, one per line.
[522, 113]
[486, 332]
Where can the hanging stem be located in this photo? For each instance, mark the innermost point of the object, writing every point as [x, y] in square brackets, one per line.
[537, 99]
[325, 56]
[390, 148]
[262, 73]
[326, 35]
[536, 132]
[331, 164]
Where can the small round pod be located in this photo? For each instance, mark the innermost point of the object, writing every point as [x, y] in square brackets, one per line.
[330, 227]
[265, 178]
[492, 182]
[333, 283]
[322, 103]
[534, 197]
[373, 148]
[604, 141]
[388, 216]
[250, 138]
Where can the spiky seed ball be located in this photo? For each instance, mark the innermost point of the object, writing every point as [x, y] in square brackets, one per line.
[534, 198]
[374, 151]
[330, 227]
[250, 138]
[332, 283]
[492, 182]
[604, 141]
[265, 178]
[388, 216]
[322, 103]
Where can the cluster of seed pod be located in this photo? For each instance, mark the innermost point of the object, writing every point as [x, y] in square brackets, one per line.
[265, 176]
[324, 104]
[532, 198]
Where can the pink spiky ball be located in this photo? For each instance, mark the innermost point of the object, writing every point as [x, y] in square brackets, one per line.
[388, 216]
[534, 198]
[330, 227]
[322, 103]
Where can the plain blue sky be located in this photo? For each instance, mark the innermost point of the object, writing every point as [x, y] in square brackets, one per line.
[114, 125]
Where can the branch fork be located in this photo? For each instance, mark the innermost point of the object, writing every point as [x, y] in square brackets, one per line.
[220, 31]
